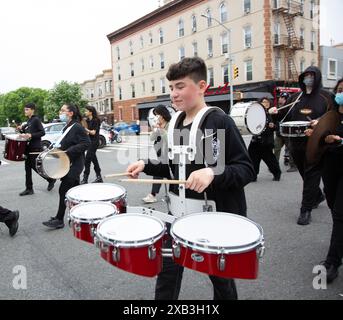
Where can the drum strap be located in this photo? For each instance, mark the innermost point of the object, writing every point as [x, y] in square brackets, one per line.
[57, 144]
[294, 104]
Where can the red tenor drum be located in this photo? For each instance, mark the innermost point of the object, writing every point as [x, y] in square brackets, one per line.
[133, 243]
[218, 244]
[15, 148]
[84, 218]
[103, 192]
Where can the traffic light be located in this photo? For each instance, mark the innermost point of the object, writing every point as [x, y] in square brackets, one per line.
[235, 72]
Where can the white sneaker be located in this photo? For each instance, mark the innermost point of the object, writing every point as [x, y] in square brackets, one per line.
[150, 199]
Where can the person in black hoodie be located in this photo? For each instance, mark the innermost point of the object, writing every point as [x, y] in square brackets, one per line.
[261, 146]
[33, 131]
[75, 143]
[313, 103]
[226, 186]
[333, 188]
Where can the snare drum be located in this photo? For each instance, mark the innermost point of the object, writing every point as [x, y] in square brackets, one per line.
[15, 148]
[250, 118]
[218, 244]
[103, 192]
[133, 243]
[84, 218]
[53, 164]
[294, 129]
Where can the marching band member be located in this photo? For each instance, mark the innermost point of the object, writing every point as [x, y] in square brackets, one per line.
[224, 186]
[312, 103]
[333, 188]
[75, 143]
[33, 131]
[261, 146]
[93, 129]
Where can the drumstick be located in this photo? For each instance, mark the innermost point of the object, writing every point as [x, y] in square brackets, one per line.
[117, 175]
[151, 181]
[55, 152]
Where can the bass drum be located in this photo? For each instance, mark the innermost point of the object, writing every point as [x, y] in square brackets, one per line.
[250, 118]
[153, 119]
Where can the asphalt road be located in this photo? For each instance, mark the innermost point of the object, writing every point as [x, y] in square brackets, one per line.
[58, 266]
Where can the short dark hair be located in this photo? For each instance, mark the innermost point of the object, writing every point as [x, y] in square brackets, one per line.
[162, 111]
[194, 68]
[265, 98]
[337, 85]
[30, 106]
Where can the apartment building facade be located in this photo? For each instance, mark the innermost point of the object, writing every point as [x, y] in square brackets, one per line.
[331, 65]
[99, 93]
[268, 40]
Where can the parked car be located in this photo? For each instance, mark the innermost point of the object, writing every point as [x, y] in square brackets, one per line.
[127, 128]
[6, 130]
[53, 132]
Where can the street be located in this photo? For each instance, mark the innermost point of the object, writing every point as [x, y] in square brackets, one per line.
[60, 266]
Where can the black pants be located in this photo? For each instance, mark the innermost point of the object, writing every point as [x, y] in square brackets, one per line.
[259, 152]
[311, 176]
[156, 187]
[168, 282]
[333, 188]
[30, 164]
[66, 185]
[91, 157]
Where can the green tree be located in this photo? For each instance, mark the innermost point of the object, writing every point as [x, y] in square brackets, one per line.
[63, 92]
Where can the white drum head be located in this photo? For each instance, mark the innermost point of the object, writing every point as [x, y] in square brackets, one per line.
[131, 230]
[15, 137]
[213, 232]
[96, 192]
[256, 119]
[296, 124]
[56, 164]
[92, 211]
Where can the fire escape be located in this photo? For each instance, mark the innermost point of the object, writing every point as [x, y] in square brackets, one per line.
[288, 44]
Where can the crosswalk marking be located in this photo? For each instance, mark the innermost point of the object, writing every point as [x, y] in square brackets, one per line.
[4, 163]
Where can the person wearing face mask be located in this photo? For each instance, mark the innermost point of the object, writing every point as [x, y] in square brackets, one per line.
[333, 187]
[75, 144]
[261, 146]
[33, 131]
[310, 104]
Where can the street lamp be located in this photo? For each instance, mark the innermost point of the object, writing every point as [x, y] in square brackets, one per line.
[228, 56]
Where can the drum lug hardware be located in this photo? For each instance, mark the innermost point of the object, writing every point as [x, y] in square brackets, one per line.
[77, 227]
[176, 250]
[104, 247]
[93, 231]
[261, 251]
[152, 253]
[116, 254]
[222, 263]
[97, 243]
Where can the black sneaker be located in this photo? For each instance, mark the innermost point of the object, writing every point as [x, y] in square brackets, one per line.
[51, 184]
[54, 223]
[13, 223]
[277, 177]
[27, 192]
[331, 272]
[292, 169]
[321, 199]
[304, 218]
[98, 180]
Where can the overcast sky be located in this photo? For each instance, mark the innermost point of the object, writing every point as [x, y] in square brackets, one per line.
[46, 41]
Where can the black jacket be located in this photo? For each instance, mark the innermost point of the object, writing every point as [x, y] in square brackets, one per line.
[227, 189]
[35, 128]
[94, 124]
[266, 138]
[75, 143]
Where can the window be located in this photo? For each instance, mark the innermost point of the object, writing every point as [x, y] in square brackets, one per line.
[210, 47]
[162, 61]
[247, 6]
[181, 28]
[302, 65]
[163, 85]
[194, 24]
[133, 91]
[223, 13]
[225, 43]
[161, 33]
[332, 69]
[313, 40]
[225, 71]
[302, 37]
[99, 91]
[195, 49]
[120, 93]
[131, 47]
[118, 53]
[210, 77]
[247, 37]
[152, 86]
[111, 85]
[151, 62]
[142, 65]
[132, 70]
[312, 9]
[143, 88]
[118, 73]
[277, 68]
[209, 17]
[276, 4]
[277, 33]
[302, 4]
[141, 40]
[151, 39]
[182, 54]
[248, 70]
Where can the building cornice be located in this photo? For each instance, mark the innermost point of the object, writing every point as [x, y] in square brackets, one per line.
[165, 12]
